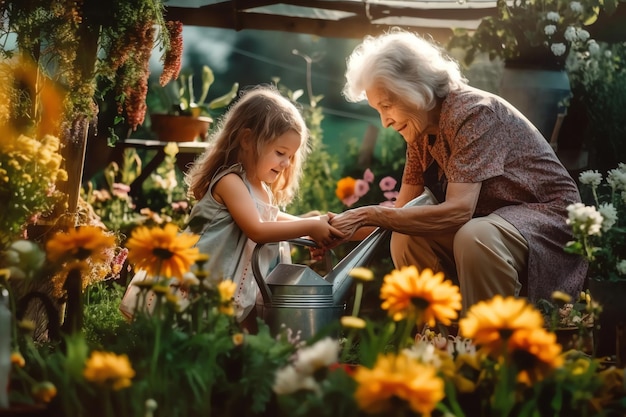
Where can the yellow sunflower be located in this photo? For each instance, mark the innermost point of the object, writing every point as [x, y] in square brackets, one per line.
[490, 323]
[430, 298]
[80, 243]
[108, 369]
[535, 353]
[162, 251]
[398, 377]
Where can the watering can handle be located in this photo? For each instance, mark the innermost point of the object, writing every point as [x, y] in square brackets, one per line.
[256, 270]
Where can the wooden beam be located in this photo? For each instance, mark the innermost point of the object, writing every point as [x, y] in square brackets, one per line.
[355, 27]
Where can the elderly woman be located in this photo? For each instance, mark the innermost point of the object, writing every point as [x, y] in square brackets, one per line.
[500, 223]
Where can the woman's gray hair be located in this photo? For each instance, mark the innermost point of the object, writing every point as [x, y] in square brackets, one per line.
[406, 64]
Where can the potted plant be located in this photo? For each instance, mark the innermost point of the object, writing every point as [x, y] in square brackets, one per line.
[599, 233]
[178, 115]
[533, 38]
[530, 32]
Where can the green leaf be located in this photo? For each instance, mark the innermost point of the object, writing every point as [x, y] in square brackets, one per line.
[224, 100]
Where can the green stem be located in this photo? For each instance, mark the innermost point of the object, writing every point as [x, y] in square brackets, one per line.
[357, 299]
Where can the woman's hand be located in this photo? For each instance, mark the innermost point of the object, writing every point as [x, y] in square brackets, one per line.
[349, 221]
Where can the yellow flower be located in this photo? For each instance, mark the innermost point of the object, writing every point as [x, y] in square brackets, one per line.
[109, 369]
[429, 297]
[238, 339]
[489, 322]
[361, 274]
[44, 392]
[226, 290]
[468, 371]
[352, 322]
[535, 353]
[561, 297]
[345, 188]
[398, 377]
[17, 359]
[162, 251]
[79, 244]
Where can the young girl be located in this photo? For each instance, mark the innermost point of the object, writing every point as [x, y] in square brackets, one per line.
[252, 167]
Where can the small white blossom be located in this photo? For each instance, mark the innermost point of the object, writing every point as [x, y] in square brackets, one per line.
[425, 352]
[321, 354]
[589, 177]
[609, 213]
[570, 34]
[288, 380]
[621, 267]
[585, 219]
[549, 30]
[558, 49]
[553, 16]
[593, 47]
[616, 179]
[582, 34]
[576, 7]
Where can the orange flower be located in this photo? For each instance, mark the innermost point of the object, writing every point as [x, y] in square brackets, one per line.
[109, 369]
[80, 243]
[398, 377]
[535, 353]
[490, 323]
[162, 251]
[430, 298]
[345, 188]
[44, 392]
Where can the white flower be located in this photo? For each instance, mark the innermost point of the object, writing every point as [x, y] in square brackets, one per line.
[576, 7]
[570, 34]
[425, 352]
[616, 179]
[593, 47]
[582, 34]
[589, 177]
[323, 353]
[621, 267]
[549, 30]
[609, 213]
[553, 16]
[288, 380]
[558, 49]
[585, 219]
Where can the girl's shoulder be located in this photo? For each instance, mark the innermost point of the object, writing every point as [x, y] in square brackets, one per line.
[225, 170]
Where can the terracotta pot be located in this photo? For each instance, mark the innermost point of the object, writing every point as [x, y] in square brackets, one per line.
[172, 128]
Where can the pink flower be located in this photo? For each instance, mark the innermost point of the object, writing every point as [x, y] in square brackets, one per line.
[368, 175]
[350, 200]
[388, 183]
[390, 195]
[361, 188]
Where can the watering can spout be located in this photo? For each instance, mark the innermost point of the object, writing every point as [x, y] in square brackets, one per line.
[340, 275]
[359, 256]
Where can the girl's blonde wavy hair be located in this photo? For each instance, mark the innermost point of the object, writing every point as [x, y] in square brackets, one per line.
[267, 115]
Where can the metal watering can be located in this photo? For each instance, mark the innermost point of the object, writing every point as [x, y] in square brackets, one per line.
[298, 298]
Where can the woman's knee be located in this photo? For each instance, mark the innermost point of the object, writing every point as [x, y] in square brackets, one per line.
[476, 234]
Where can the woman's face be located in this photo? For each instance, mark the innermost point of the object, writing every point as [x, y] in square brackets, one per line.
[409, 121]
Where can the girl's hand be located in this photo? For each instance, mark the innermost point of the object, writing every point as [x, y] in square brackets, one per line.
[325, 235]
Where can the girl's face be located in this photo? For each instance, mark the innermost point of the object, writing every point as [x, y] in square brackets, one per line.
[277, 156]
[410, 122]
